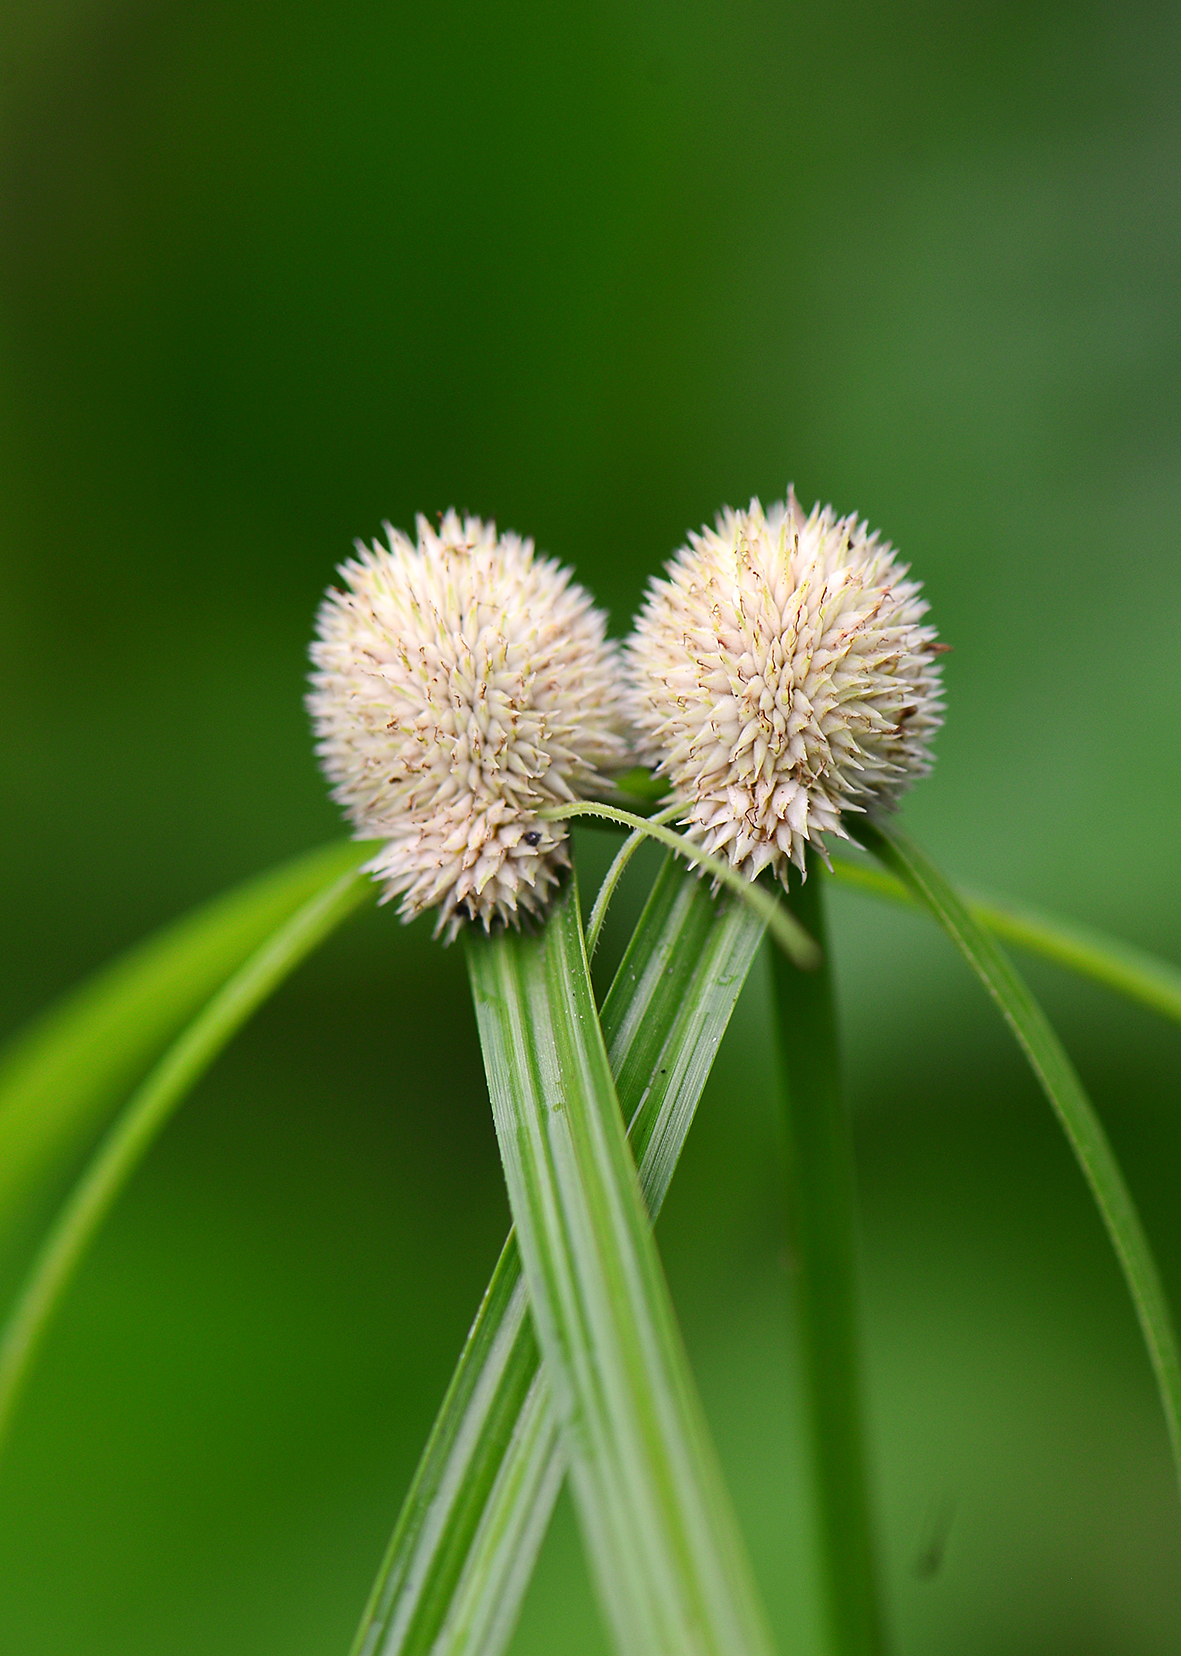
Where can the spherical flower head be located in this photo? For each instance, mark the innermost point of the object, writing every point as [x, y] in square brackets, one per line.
[780, 676]
[461, 685]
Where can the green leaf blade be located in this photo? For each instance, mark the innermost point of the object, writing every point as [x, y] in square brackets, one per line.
[60, 1078]
[456, 1572]
[483, 1425]
[147, 1111]
[1135, 973]
[663, 1546]
[666, 1012]
[1059, 1081]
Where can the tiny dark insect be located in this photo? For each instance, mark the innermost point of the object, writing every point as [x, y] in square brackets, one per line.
[532, 837]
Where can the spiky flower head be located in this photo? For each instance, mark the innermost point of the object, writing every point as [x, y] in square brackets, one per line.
[780, 676]
[461, 685]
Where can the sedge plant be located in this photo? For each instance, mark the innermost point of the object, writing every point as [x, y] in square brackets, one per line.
[781, 691]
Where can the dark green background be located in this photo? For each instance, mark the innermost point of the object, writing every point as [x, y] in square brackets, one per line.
[272, 273]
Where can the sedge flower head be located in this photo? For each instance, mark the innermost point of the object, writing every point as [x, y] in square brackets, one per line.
[462, 684]
[780, 676]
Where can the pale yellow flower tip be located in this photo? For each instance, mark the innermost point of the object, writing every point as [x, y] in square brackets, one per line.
[461, 685]
[781, 676]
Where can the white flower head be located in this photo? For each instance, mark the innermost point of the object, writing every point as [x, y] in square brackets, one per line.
[460, 686]
[780, 676]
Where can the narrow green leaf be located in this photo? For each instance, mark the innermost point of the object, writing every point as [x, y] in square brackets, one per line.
[615, 873]
[60, 1079]
[822, 1238]
[1064, 1090]
[477, 1510]
[1130, 971]
[663, 1546]
[784, 928]
[132, 1133]
[473, 1521]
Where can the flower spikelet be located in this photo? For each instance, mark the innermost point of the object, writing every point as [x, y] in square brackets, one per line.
[780, 676]
[461, 685]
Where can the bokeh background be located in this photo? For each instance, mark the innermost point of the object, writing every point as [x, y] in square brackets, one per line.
[272, 274]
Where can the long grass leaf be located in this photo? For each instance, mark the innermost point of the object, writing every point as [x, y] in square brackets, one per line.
[784, 928]
[60, 1079]
[1130, 971]
[615, 873]
[822, 1238]
[662, 1543]
[464, 1548]
[1064, 1090]
[150, 1107]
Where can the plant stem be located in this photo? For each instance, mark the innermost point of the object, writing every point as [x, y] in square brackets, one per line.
[661, 1540]
[623, 856]
[782, 925]
[473, 1521]
[821, 1211]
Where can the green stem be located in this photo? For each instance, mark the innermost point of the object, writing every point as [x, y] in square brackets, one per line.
[477, 1510]
[149, 1108]
[822, 1240]
[623, 856]
[1061, 1085]
[782, 925]
[661, 1540]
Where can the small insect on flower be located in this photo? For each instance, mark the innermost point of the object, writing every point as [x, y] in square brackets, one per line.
[461, 685]
[779, 676]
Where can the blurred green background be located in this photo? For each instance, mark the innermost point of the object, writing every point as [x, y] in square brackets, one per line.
[271, 274]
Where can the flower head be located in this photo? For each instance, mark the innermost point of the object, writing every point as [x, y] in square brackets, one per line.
[461, 685]
[779, 676]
